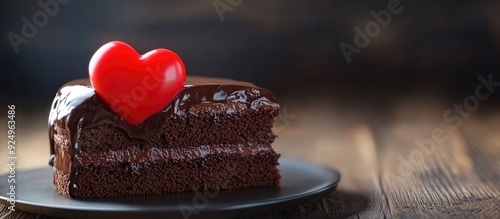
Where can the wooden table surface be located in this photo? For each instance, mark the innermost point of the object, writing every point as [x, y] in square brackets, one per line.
[400, 161]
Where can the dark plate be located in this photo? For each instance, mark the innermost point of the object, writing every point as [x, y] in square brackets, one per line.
[301, 181]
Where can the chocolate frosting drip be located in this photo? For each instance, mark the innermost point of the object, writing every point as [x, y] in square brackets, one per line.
[77, 106]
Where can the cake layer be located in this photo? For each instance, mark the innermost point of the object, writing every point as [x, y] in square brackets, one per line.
[224, 171]
[191, 128]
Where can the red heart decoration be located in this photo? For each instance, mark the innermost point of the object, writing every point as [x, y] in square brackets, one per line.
[134, 86]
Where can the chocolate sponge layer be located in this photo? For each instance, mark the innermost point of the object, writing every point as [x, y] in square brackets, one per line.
[210, 125]
[213, 172]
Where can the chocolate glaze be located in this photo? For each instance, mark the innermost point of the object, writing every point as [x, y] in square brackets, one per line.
[77, 106]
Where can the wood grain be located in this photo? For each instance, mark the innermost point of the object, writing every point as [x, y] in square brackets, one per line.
[453, 175]
[321, 135]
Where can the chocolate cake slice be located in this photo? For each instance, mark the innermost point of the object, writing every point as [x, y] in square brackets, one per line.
[215, 135]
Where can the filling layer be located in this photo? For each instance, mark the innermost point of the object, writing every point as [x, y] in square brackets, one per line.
[136, 155]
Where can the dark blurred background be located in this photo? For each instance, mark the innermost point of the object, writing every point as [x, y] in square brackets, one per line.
[290, 47]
